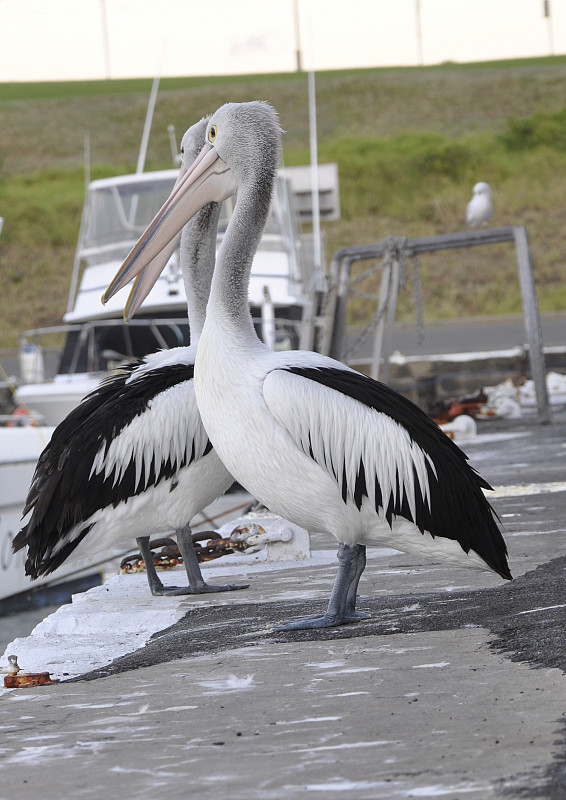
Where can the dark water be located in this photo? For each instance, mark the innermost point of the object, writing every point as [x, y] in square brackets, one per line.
[20, 614]
[21, 624]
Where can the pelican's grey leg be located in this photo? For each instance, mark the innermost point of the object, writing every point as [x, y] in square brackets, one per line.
[155, 585]
[360, 565]
[196, 585]
[342, 604]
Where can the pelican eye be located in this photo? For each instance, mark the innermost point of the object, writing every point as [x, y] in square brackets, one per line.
[212, 133]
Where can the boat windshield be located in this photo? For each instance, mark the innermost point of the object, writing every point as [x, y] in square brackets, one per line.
[120, 212]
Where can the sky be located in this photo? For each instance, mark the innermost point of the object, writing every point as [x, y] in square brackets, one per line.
[85, 39]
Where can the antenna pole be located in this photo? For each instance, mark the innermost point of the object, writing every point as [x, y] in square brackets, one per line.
[314, 172]
[147, 125]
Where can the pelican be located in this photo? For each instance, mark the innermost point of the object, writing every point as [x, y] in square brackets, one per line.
[480, 208]
[133, 459]
[315, 441]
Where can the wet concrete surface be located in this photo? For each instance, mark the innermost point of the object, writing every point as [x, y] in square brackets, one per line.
[453, 688]
[527, 617]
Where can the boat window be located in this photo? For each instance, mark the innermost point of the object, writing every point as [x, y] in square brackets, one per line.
[123, 211]
[95, 346]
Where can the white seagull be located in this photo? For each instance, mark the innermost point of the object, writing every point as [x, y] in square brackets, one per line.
[480, 208]
[318, 443]
[133, 459]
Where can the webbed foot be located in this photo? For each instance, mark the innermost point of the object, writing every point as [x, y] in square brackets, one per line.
[342, 604]
[322, 621]
[206, 588]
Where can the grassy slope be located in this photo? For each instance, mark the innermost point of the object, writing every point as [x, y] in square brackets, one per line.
[410, 143]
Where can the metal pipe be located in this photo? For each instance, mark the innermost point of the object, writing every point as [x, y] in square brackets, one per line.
[532, 322]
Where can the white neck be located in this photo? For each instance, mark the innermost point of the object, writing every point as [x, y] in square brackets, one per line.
[228, 303]
[198, 255]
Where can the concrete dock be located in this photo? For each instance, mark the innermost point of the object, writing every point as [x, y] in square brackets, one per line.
[453, 688]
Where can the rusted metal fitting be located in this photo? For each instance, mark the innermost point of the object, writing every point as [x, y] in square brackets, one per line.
[214, 546]
[24, 680]
[254, 537]
[16, 679]
[208, 545]
[167, 558]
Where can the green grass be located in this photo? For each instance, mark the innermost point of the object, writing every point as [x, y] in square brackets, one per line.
[410, 143]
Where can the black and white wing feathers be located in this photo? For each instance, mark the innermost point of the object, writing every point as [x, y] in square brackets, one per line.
[376, 443]
[107, 451]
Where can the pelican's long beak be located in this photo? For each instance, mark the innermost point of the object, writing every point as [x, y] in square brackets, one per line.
[208, 179]
[146, 279]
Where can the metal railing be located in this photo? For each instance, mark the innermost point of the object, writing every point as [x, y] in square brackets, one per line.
[340, 280]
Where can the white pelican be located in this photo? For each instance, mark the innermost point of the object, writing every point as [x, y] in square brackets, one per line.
[318, 443]
[480, 208]
[133, 459]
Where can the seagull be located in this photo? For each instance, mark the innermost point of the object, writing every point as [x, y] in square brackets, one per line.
[318, 443]
[133, 459]
[480, 208]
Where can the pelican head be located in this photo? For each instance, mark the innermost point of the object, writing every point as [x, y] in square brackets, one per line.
[212, 177]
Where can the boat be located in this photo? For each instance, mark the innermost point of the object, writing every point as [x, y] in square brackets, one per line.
[20, 446]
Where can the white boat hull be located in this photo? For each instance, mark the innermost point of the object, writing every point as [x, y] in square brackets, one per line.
[52, 401]
[20, 447]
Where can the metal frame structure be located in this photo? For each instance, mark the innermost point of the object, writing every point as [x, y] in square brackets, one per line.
[333, 336]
